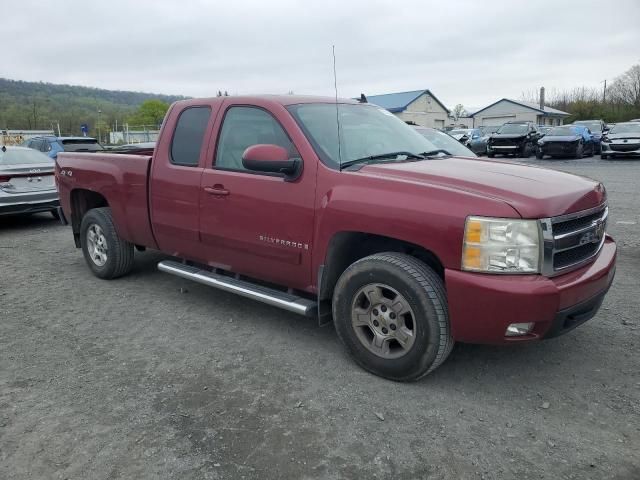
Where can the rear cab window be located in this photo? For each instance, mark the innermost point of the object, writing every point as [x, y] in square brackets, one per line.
[188, 136]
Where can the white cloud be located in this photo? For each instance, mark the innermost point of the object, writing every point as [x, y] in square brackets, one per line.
[465, 51]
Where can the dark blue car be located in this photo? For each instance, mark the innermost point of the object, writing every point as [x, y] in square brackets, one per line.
[51, 145]
[597, 128]
[566, 141]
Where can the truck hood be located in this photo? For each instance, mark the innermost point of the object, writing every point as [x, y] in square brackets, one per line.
[533, 192]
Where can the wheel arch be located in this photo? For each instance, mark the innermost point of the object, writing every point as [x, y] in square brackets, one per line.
[83, 200]
[347, 247]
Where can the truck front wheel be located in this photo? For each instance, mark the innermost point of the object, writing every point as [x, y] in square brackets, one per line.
[390, 312]
[107, 255]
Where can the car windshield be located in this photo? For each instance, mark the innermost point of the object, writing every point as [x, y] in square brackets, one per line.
[445, 142]
[488, 130]
[593, 126]
[22, 156]
[365, 131]
[459, 132]
[563, 132]
[626, 128]
[513, 128]
[81, 145]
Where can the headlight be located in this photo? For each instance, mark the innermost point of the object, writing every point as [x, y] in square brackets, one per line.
[501, 245]
[540, 142]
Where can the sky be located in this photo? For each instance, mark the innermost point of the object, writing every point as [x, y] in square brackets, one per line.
[464, 51]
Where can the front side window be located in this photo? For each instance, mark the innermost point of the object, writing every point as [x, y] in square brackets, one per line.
[244, 127]
[189, 136]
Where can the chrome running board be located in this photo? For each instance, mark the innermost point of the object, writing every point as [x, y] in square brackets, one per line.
[270, 296]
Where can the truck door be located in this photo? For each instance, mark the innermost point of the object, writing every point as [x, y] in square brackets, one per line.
[174, 186]
[253, 223]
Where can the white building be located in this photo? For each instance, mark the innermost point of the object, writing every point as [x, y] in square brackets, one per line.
[506, 110]
[418, 106]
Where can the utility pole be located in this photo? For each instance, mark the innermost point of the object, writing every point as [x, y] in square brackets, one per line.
[604, 92]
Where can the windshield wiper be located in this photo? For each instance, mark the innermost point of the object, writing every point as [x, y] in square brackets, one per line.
[433, 153]
[382, 156]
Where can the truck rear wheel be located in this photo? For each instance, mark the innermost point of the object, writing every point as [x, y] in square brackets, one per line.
[390, 312]
[107, 255]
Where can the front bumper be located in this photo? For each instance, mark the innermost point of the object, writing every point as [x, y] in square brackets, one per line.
[558, 148]
[481, 306]
[614, 152]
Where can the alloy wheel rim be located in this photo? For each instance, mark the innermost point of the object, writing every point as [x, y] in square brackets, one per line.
[383, 321]
[97, 245]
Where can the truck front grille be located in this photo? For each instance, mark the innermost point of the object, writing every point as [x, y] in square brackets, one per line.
[571, 241]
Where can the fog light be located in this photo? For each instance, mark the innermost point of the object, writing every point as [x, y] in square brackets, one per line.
[517, 329]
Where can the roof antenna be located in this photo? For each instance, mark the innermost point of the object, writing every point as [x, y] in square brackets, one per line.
[335, 86]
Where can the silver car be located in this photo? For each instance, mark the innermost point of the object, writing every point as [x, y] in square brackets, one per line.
[26, 182]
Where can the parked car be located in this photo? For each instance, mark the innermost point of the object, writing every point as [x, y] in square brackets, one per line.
[597, 128]
[635, 120]
[51, 145]
[463, 135]
[478, 145]
[623, 140]
[344, 212]
[513, 138]
[26, 182]
[566, 141]
[444, 141]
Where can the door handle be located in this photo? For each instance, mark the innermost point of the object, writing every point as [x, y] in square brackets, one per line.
[217, 190]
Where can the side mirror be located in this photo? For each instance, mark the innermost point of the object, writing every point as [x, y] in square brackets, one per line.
[270, 159]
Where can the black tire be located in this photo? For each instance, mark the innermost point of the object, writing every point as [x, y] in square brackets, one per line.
[579, 153]
[597, 149]
[603, 157]
[491, 154]
[54, 214]
[119, 252]
[539, 154]
[424, 292]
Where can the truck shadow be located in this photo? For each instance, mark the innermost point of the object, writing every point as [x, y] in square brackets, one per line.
[25, 222]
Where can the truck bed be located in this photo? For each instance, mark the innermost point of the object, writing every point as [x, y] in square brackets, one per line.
[121, 179]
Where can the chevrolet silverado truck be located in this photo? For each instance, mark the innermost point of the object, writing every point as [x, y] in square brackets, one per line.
[339, 210]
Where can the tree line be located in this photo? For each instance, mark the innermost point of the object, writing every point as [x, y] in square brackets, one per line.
[617, 101]
[45, 106]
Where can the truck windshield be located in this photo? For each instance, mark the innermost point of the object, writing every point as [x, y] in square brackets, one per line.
[365, 131]
[563, 132]
[513, 128]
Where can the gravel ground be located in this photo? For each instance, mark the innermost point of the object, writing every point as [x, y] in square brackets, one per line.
[152, 376]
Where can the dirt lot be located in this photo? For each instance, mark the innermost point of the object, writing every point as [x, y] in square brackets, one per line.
[151, 376]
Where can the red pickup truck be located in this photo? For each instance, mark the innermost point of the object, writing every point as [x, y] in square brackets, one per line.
[338, 209]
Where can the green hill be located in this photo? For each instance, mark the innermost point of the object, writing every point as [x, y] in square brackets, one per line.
[38, 105]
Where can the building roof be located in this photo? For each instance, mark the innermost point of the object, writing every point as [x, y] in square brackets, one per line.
[532, 105]
[398, 102]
